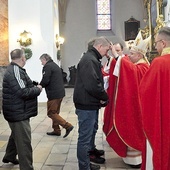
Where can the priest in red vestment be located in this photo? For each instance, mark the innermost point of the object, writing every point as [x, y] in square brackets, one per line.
[122, 116]
[155, 101]
[107, 71]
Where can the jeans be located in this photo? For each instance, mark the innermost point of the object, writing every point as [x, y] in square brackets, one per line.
[88, 126]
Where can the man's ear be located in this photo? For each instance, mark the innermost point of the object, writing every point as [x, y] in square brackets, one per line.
[164, 43]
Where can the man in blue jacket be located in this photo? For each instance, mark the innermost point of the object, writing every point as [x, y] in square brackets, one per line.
[89, 96]
[19, 105]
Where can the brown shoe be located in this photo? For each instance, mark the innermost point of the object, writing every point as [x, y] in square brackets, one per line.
[53, 133]
[68, 131]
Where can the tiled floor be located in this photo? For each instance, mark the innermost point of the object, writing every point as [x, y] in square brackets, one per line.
[58, 153]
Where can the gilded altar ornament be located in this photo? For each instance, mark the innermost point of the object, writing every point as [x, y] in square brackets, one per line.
[130, 44]
[25, 39]
[145, 32]
[159, 23]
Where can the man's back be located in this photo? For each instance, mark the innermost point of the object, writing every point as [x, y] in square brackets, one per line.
[53, 81]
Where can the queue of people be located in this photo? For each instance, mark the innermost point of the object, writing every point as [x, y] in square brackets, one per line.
[134, 92]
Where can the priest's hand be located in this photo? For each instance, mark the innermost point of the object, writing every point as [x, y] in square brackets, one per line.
[113, 50]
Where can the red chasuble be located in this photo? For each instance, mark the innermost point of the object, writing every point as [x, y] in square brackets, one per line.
[123, 112]
[155, 102]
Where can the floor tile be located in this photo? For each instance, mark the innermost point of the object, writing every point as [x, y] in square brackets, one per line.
[56, 152]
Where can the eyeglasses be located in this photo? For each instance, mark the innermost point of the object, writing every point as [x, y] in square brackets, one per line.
[155, 43]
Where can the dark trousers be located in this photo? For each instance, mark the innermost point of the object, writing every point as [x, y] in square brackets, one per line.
[20, 143]
[53, 110]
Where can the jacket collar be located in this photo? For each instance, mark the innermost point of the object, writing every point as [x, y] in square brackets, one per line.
[12, 63]
[97, 54]
[50, 61]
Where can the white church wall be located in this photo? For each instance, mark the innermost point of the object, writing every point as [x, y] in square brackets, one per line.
[40, 17]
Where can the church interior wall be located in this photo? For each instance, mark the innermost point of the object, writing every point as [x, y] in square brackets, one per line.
[80, 26]
[40, 17]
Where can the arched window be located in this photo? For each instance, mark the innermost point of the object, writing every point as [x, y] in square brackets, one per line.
[103, 15]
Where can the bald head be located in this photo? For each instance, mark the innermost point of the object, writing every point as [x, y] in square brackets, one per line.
[16, 54]
[18, 57]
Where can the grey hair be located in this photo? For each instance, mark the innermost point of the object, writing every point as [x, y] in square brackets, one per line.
[45, 56]
[165, 32]
[16, 54]
[101, 40]
[90, 43]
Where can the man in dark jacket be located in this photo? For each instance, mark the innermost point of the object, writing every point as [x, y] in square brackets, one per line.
[52, 80]
[89, 96]
[19, 104]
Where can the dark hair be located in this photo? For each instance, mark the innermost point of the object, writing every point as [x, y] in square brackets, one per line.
[16, 54]
[45, 56]
[121, 46]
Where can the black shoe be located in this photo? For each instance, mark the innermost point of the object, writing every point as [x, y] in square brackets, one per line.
[96, 152]
[135, 166]
[94, 167]
[98, 160]
[53, 133]
[15, 162]
[68, 131]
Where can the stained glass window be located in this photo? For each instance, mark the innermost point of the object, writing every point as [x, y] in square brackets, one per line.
[103, 15]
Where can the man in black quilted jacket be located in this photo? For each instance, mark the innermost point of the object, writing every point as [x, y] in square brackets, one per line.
[19, 105]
